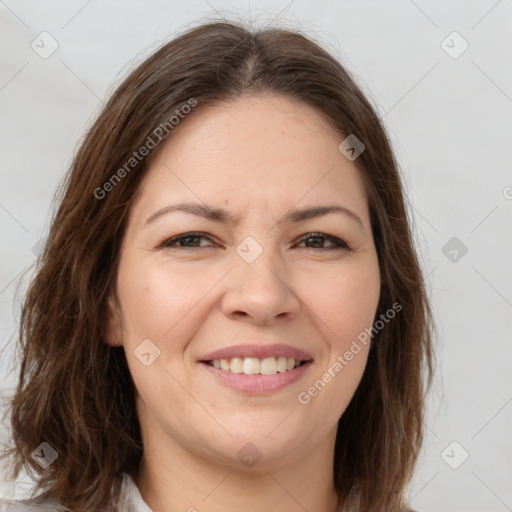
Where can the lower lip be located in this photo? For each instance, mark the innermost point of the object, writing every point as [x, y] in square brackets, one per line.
[258, 384]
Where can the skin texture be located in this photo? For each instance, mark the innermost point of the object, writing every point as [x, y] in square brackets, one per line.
[258, 157]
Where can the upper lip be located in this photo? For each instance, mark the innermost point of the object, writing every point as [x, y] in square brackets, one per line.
[259, 351]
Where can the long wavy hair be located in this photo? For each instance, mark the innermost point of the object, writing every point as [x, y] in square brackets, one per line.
[76, 393]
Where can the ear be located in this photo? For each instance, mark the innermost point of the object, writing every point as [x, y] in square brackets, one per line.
[112, 330]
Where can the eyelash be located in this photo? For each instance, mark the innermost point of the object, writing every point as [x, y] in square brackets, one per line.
[339, 244]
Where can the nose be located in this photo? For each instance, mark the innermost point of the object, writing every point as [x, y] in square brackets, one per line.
[260, 292]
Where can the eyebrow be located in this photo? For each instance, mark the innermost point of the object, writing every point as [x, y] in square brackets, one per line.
[223, 216]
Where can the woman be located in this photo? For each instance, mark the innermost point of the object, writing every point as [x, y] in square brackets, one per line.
[229, 312]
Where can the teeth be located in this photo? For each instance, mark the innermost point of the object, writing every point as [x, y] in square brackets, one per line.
[255, 366]
[251, 366]
[281, 364]
[268, 366]
[236, 365]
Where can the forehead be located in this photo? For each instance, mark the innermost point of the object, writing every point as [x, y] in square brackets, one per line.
[267, 150]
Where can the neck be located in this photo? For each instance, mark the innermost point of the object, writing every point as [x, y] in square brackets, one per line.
[173, 478]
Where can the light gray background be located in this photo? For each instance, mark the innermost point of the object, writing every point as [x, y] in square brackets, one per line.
[449, 119]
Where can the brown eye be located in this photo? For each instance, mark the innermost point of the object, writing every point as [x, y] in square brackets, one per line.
[317, 241]
[186, 241]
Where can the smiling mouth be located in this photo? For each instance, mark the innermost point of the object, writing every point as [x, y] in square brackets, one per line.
[257, 366]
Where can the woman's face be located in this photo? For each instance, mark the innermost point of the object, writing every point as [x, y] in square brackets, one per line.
[269, 281]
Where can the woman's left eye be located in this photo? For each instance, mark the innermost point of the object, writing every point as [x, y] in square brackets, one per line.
[192, 240]
[321, 238]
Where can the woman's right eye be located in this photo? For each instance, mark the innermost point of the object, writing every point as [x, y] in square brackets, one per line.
[186, 241]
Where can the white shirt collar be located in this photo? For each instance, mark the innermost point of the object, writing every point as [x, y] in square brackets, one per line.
[133, 499]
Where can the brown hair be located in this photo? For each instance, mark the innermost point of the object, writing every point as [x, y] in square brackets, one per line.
[75, 392]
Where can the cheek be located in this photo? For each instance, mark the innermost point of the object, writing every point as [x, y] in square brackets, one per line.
[356, 306]
[158, 300]
[346, 305]
[344, 301]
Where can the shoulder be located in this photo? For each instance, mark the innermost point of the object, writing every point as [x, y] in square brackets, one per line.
[130, 501]
[31, 505]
